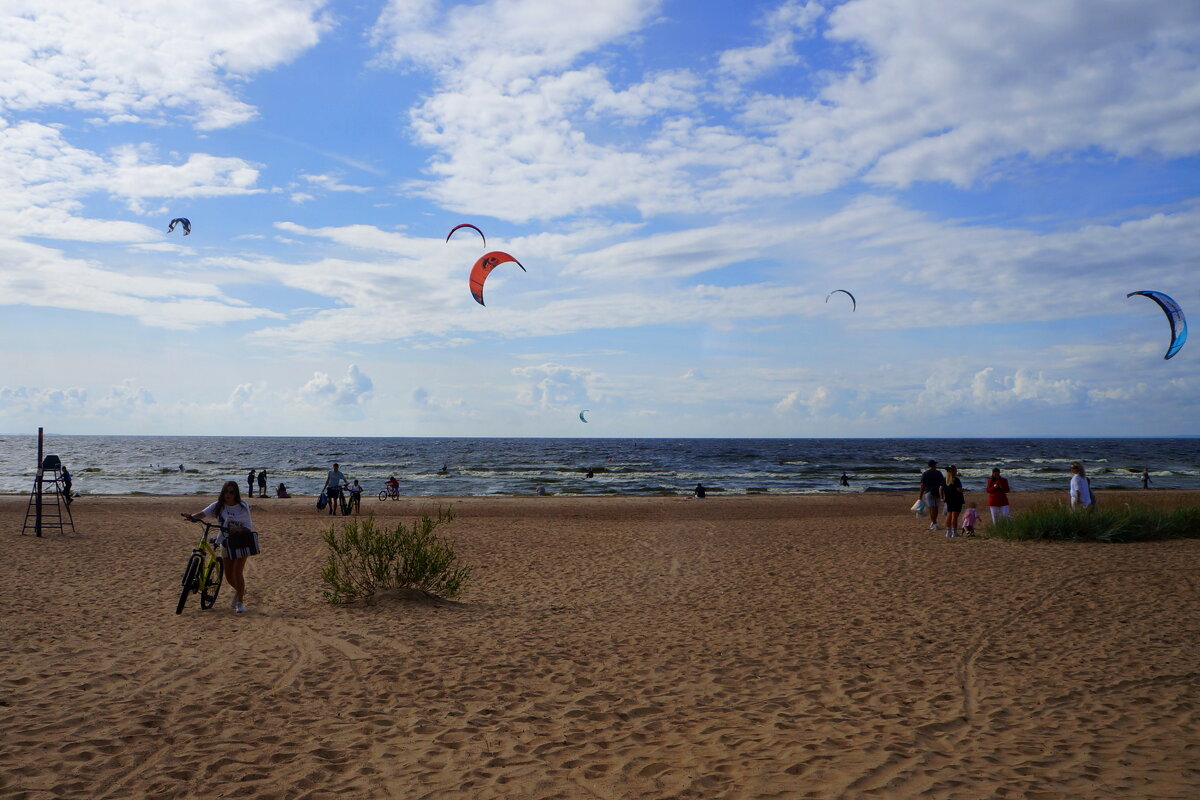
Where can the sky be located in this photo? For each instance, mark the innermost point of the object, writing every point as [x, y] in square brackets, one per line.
[685, 183]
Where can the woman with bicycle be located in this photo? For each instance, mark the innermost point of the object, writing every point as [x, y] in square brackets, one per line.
[239, 541]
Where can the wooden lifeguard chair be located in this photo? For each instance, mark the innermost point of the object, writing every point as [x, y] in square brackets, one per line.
[49, 506]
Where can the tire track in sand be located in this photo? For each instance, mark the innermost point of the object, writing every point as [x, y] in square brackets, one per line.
[897, 771]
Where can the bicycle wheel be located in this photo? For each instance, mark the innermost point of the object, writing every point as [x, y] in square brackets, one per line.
[211, 584]
[190, 574]
[383, 495]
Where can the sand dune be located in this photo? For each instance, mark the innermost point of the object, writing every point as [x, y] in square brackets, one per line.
[738, 647]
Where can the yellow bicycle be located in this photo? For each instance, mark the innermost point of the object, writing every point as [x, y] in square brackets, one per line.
[204, 571]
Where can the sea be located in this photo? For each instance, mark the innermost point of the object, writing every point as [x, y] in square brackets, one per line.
[130, 465]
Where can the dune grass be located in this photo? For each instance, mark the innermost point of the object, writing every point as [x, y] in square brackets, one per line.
[1125, 523]
[365, 558]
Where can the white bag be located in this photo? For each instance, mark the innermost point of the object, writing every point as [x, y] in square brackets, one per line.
[919, 507]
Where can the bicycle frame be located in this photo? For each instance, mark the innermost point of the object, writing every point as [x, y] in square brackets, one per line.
[201, 564]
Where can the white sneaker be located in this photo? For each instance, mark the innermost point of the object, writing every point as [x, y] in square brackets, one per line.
[233, 602]
[239, 608]
[933, 526]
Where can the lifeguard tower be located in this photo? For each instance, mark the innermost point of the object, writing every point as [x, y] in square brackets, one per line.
[49, 506]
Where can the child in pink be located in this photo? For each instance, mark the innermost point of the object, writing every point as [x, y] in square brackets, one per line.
[970, 517]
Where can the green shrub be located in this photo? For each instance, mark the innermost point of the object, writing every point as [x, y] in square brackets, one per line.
[365, 558]
[1124, 524]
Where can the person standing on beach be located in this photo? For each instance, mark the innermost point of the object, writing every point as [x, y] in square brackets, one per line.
[997, 492]
[334, 481]
[262, 483]
[952, 491]
[1145, 478]
[250, 483]
[1081, 487]
[932, 482]
[66, 481]
[238, 543]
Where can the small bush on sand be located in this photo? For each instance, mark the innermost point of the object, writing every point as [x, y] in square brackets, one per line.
[1123, 524]
[365, 558]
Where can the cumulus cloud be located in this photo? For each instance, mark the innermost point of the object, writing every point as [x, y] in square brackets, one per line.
[147, 59]
[550, 386]
[919, 94]
[352, 390]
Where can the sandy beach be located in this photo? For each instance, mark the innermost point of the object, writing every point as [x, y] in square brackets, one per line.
[736, 647]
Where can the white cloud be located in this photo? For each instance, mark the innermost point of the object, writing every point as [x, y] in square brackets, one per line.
[553, 386]
[147, 59]
[352, 390]
[331, 183]
[39, 276]
[922, 93]
[44, 179]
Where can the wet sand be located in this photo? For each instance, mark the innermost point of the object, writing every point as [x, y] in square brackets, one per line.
[736, 647]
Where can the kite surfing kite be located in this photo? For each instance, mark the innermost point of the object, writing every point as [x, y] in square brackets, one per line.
[853, 302]
[187, 225]
[1174, 316]
[582, 418]
[484, 266]
[466, 225]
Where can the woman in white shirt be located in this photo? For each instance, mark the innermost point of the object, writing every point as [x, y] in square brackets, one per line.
[1081, 487]
[239, 543]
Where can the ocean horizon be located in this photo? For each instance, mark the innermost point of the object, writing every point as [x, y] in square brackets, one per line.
[482, 466]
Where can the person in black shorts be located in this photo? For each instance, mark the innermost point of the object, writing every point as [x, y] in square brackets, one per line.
[952, 493]
[932, 482]
[250, 483]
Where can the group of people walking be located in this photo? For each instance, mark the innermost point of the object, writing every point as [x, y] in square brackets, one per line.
[938, 489]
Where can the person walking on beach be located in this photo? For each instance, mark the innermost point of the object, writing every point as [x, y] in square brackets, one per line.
[845, 479]
[1081, 487]
[997, 492]
[1145, 478]
[262, 483]
[355, 496]
[238, 543]
[932, 482]
[250, 483]
[952, 492]
[334, 481]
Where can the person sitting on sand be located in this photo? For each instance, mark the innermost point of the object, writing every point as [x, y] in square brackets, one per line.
[699, 493]
[970, 519]
[1081, 488]
[997, 492]
[282, 492]
[239, 543]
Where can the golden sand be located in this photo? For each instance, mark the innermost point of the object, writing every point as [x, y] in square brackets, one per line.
[736, 647]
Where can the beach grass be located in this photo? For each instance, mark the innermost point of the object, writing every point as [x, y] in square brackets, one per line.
[365, 557]
[1124, 523]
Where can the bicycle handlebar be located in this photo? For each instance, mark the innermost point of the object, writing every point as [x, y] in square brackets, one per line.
[208, 526]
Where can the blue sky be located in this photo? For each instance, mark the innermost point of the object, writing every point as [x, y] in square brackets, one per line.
[685, 182]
